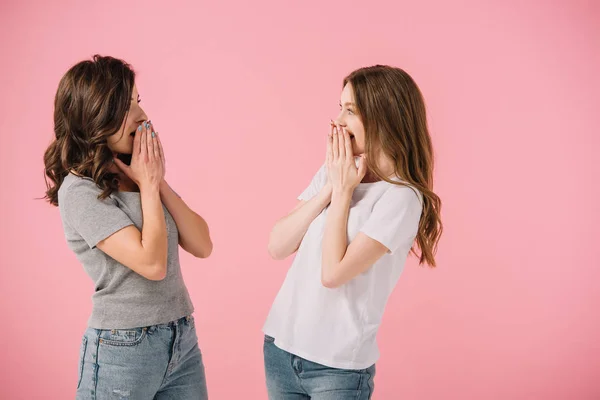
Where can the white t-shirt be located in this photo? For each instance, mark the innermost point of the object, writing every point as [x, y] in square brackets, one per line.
[337, 327]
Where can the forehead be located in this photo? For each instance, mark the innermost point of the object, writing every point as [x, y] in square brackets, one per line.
[347, 95]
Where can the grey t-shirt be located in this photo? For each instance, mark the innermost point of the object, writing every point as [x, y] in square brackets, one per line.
[122, 298]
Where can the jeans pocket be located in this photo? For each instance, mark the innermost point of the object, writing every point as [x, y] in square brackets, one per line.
[122, 337]
[82, 351]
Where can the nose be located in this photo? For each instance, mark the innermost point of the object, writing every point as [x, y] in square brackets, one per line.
[340, 120]
[142, 117]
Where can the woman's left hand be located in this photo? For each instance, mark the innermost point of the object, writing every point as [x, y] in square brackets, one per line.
[342, 171]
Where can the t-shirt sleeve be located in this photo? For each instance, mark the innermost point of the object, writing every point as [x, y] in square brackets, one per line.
[317, 183]
[395, 217]
[92, 218]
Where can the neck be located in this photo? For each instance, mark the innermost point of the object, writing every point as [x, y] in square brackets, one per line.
[385, 165]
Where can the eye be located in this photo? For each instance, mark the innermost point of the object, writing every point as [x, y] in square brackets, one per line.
[350, 112]
[139, 99]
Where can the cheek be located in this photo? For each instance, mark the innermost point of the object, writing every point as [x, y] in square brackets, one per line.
[356, 126]
[359, 133]
[112, 141]
[119, 142]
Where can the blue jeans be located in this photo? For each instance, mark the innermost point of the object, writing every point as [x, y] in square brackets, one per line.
[290, 377]
[156, 362]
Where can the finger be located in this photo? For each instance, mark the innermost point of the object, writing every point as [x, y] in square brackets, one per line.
[151, 142]
[341, 143]
[348, 145]
[335, 144]
[144, 142]
[329, 155]
[152, 150]
[137, 142]
[158, 153]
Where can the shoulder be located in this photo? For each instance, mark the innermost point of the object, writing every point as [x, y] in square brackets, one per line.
[76, 187]
[402, 196]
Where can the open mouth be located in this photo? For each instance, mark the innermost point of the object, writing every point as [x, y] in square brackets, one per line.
[132, 134]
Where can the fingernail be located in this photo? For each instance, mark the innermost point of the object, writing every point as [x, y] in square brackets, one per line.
[139, 128]
[153, 134]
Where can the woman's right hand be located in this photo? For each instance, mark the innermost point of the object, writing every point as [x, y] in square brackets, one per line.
[147, 164]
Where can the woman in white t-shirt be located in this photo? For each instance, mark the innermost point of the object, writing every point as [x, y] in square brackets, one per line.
[353, 229]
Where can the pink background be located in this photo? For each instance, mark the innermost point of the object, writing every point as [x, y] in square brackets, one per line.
[242, 94]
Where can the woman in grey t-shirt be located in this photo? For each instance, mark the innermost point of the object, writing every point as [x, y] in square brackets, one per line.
[124, 223]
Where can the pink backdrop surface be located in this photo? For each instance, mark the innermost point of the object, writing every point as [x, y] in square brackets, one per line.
[242, 93]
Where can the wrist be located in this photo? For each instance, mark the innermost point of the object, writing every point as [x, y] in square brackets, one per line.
[341, 195]
[148, 187]
[163, 186]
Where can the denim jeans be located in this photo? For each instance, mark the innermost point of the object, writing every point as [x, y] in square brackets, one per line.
[156, 362]
[290, 377]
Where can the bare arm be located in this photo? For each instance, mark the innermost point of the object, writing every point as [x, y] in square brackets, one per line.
[194, 236]
[342, 262]
[144, 252]
[288, 232]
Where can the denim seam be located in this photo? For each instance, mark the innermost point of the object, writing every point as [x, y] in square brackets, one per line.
[96, 366]
[83, 350]
[369, 384]
[297, 375]
[360, 383]
[169, 369]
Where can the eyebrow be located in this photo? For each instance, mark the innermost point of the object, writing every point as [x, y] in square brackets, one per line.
[349, 104]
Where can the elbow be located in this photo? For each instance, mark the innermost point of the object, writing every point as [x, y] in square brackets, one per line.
[329, 280]
[156, 272]
[204, 251]
[199, 249]
[275, 253]
[273, 248]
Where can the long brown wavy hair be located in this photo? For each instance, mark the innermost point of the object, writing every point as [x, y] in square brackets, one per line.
[392, 110]
[91, 103]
